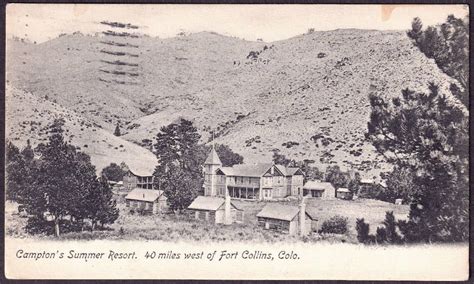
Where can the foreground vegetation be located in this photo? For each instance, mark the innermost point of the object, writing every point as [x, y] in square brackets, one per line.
[181, 227]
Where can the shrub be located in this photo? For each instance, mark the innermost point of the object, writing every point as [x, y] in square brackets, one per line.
[362, 229]
[381, 235]
[321, 55]
[391, 228]
[334, 225]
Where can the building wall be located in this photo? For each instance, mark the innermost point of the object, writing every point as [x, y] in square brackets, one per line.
[219, 216]
[205, 215]
[145, 182]
[240, 181]
[212, 181]
[281, 226]
[294, 227]
[158, 206]
[296, 182]
[129, 181]
[329, 193]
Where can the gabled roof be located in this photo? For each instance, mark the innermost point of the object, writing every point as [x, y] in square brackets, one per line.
[289, 171]
[318, 185]
[255, 170]
[279, 212]
[294, 171]
[312, 212]
[208, 203]
[148, 195]
[213, 158]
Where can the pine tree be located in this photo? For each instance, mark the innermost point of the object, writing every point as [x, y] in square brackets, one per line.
[448, 45]
[16, 173]
[60, 181]
[179, 172]
[427, 135]
[227, 156]
[100, 205]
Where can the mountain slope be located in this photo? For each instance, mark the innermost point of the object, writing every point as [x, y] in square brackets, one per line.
[27, 117]
[306, 96]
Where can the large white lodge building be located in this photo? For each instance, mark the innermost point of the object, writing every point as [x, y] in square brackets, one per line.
[258, 181]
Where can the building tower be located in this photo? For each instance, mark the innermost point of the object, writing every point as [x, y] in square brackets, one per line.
[211, 165]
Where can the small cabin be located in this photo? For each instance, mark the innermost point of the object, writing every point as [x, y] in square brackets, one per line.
[288, 219]
[344, 193]
[318, 189]
[147, 200]
[217, 210]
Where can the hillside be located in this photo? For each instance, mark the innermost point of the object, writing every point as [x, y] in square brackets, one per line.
[307, 95]
[28, 116]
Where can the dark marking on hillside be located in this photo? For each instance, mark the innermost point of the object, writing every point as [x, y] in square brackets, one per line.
[119, 53]
[119, 62]
[115, 72]
[113, 43]
[119, 34]
[117, 82]
[119, 25]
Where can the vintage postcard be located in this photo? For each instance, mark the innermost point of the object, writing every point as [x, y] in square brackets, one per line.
[237, 142]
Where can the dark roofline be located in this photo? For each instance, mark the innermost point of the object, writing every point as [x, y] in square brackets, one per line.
[138, 175]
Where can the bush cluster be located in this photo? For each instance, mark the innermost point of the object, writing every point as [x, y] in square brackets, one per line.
[334, 225]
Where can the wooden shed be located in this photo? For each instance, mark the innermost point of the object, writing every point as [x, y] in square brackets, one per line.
[147, 200]
[318, 189]
[289, 219]
[216, 209]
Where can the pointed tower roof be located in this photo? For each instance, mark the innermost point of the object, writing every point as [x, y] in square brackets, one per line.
[213, 158]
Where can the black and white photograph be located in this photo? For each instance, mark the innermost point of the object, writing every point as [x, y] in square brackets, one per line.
[305, 142]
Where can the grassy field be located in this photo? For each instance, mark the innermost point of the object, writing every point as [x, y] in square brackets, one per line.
[171, 227]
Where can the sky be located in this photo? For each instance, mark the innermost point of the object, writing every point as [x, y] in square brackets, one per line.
[41, 22]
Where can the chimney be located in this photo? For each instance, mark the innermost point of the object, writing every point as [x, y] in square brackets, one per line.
[227, 213]
[302, 217]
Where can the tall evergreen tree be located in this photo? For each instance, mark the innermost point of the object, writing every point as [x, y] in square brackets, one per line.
[61, 180]
[17, 175]
[427, 134]
[99, 204]
[179, 171]
[448, 45]
[228, 157]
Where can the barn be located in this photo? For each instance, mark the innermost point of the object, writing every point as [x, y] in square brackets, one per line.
[147, 200]
[216, 209]
[288, 219]
[318, 189]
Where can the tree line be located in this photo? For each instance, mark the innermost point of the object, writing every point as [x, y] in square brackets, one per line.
[57, 186]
